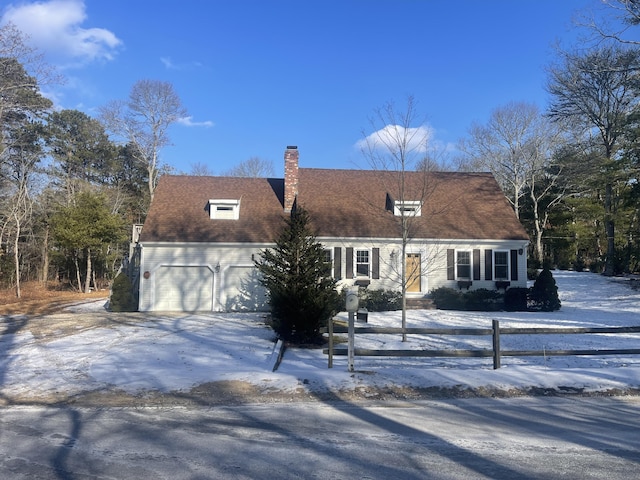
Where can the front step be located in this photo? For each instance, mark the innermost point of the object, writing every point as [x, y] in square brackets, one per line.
[420, 304]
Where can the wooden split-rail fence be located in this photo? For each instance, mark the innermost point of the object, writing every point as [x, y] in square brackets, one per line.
[495, 332]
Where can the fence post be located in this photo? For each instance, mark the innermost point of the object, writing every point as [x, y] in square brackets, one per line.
[496, 344]
[350, 351]
[330, 343]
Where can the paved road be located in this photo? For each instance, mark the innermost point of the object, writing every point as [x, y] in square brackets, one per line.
[519, 438]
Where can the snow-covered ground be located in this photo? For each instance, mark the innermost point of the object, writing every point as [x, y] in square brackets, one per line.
[177, 352]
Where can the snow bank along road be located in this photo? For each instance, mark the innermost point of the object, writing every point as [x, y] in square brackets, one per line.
[480, 438]
[89, 351]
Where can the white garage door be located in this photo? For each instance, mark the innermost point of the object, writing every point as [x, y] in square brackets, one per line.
[184, 288]
[243, 290]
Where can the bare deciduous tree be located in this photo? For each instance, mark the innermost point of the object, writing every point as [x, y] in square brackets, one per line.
[200, 170]
[597, 90]
[253, 167]
[626, 15]
[507, 146]
[21, 110]
[516, 146]
[398, 144]
[143, 120]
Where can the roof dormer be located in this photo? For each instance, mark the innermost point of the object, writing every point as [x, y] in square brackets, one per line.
[404, 208]
[224, 209]
[407, 208]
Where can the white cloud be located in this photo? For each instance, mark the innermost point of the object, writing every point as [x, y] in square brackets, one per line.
[188, 122]
[170, 65]
[166, 61]
[54, 27]
[392, 136]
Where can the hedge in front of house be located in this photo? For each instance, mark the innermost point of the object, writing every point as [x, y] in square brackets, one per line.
[446, 298]
[515, 299]
[374, 300]
[480, 300]
[542, 296]
[122, 299]
[381, 300]
[483, 300]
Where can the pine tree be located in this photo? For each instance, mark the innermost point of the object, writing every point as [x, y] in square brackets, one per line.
[302, 294]
[86, 229]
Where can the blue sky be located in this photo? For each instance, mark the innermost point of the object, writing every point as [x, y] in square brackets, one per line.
[256, 76]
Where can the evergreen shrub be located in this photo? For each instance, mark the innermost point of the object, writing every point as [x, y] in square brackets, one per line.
[482, 300]
[515, 299]
[446, 298]
[544, 293]
[380, 300]
[532, 273]
[122, 298]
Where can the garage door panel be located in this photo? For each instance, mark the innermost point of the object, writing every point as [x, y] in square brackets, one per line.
[184, 288]
[243, 290]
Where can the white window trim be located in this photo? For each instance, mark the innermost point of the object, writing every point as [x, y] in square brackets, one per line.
[224, 209]
[408, 208]
[470, 264]
[356, 263]
[330, 252]
[495, 264]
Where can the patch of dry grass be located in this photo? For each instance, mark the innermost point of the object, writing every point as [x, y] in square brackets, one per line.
[39, 299]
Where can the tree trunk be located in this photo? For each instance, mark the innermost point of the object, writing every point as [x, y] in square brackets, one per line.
[609, 227]
[44, 276]
[16, 257]
[87, 280]
[538, 226]
[75, 261]
[403, 282]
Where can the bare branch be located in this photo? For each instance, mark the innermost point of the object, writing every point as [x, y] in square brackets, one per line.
[143, 120]
[253, 167]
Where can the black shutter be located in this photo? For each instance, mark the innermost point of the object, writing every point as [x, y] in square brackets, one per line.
[337, 263]
[476, 264]
[488, 264]
[514, 264]
[349, 262]
[375, 263]
[451, 273]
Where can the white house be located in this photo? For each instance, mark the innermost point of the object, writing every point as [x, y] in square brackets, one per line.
[202, 234]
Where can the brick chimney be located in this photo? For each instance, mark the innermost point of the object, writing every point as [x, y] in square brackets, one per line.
[290, 177]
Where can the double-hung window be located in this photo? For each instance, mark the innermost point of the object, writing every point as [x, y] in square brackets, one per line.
[463, 265]
[362, 263]
[501, 265]
[328, 259]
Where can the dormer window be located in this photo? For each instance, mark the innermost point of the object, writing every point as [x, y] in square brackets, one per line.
[224, 209]
[407, 208]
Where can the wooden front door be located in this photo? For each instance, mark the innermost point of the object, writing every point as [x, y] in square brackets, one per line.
[413, 272]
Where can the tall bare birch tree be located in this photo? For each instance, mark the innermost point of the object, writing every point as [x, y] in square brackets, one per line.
[143, 121]
[517, 146]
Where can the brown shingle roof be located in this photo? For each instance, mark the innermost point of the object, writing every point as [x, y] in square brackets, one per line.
[341, 203]
[179, 211]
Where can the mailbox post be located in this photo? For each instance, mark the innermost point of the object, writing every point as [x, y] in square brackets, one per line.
[352, 308]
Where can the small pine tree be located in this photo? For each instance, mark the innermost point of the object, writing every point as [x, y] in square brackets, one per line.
[122, 299]
[544, 293]
[302, 294]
